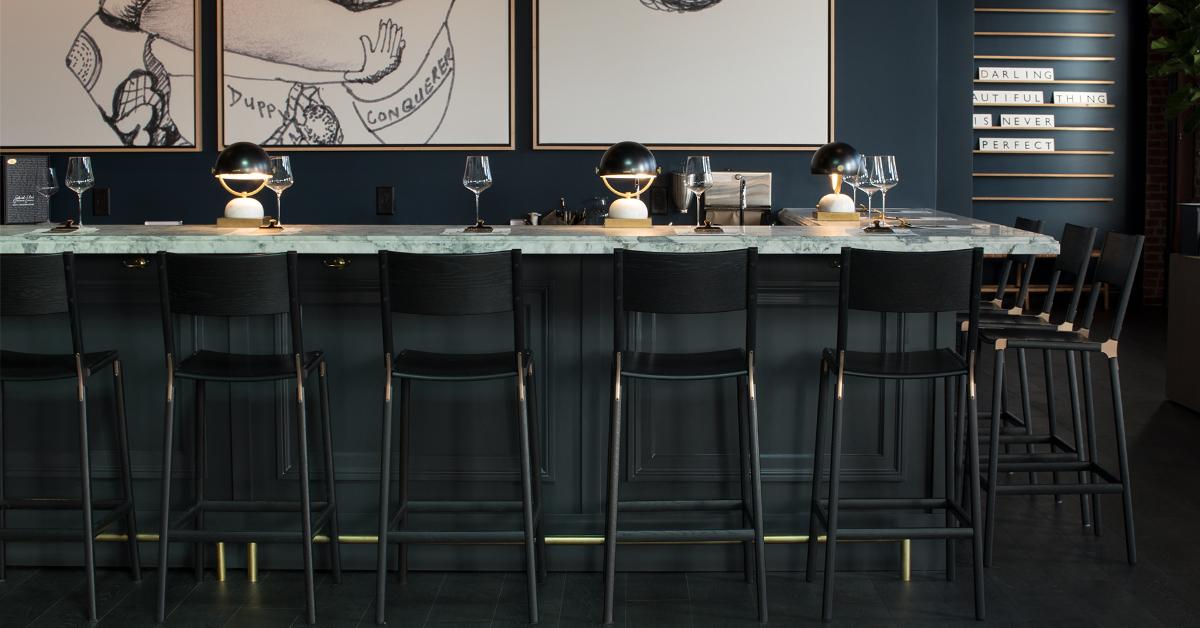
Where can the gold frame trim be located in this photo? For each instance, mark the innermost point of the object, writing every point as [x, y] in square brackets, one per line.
[198, 132]
[512, 104]
[537, 145]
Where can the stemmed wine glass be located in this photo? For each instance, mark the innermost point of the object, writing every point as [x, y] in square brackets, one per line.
[281, 179]
[854, 179]
[698, 178]
[47, 186]
[867, 179]
[477, 177]
[80, 178]
[886, 176]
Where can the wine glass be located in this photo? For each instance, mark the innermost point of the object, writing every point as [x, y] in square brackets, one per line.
[281, 179]
[853, 179]
[698, 178]
[866, 179]
[80, 178]
[47, 186]
[886, 176]
[477, 177]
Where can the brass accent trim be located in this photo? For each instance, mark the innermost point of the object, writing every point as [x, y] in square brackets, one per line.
[1044, 175]
[1042, 34]
[80, 378]
[1083, 331]
[135, 263]
[753, 386]
[993, 129]
[1001, 344]
[1016, 311]
[1044, 317]
[1109, 348]
[321, 368]
[1043, 199]
[387, 367]
[299, 379]
[220, 561]
[966, 326]
[841, 378]
[252, 562]
[170, 378]
[1044, 152]
[1041, 58]
[617, 379]
[1053, 82]
[971, 373]
[997, 303]
[336, 263]
[1045, 104]
[1077, 11]
[1067, 326]
[520, 377]
[906, 560]
[116, 368]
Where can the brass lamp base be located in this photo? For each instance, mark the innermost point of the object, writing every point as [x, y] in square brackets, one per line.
[68, 225]
[271, 223]
[708, 227]
[478, 227]
[879, 227]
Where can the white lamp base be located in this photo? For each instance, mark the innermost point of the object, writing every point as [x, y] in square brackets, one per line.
[836, 203]
[627, 208]
[244, 207]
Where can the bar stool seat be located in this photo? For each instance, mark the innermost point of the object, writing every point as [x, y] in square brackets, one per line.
[1036, 338]
[906, 365]
[455, 366]
[240, 367]
[33, 367]
[702, 365]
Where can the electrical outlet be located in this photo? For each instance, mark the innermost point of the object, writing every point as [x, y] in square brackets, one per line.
[385, 200]
[101, 202]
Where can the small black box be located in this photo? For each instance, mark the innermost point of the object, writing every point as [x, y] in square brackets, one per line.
[21, 177]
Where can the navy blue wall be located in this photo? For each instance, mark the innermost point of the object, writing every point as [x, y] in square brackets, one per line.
[902, 86]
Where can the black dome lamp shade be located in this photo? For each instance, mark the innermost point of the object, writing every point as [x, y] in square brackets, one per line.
[838, 160]
[633, 162]
[243, 161]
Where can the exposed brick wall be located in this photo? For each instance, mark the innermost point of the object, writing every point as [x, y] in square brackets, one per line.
[1154, 271]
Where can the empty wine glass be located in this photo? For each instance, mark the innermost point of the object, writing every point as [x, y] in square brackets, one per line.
[47, 186]
[866, 180]
[855, 178]
[80, 178]
[477, 177]
[886, 176]
[281, 179]
[698, 178]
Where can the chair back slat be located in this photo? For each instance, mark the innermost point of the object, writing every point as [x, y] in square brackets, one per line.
[32, 285]
[227, 285]
[685, 283]
[1074, 257]
[450, 285]
[922, 282]
[1120, 255]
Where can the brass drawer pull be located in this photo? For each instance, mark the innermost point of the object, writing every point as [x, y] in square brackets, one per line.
[337, 263]
[137, 262]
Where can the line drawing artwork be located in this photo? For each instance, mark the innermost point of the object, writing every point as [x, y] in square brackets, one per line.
[680, 6]
[329, 73]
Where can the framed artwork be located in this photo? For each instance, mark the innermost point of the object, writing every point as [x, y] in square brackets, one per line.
[683, 74]
[367, 74]
[99, 75]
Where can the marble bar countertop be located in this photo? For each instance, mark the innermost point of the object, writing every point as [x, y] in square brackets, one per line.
[931, 231]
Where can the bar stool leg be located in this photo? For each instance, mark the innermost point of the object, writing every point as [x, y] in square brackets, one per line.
[741, 387]
[1026, 406]
[531, 570]
[199, 471]
[3, 476]
[1089, 408]
[974, 481]
[1123, 460]
[817, 471]
[760, 548]
[85, 479]
[614, 476]
[1085, 500]
[135, 560]
[335, 546]
[405, 433]
[948, 388]
[385, 476]
[535, 452]
[993, 458]
[165, 498]
[305, 497]
[1051, 414]
[835, 473]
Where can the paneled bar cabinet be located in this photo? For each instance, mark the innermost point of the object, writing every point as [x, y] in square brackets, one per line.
[676, 439]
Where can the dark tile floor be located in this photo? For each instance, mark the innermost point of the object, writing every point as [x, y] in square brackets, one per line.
[1047, 573]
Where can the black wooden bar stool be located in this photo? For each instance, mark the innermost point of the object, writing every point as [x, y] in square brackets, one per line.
[456, 286]
[41, 285]
[932, 283]
[229, 286]
[1117, 267]
[1023, 264]
[687, 283]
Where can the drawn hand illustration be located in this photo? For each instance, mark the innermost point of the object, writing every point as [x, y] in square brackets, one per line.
[382, 56]
[679, 6]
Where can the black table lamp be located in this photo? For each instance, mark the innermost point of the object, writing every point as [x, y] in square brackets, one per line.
[249, 166]
[633, 162]
[836, 160]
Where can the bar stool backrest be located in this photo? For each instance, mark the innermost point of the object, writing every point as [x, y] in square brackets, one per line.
[1024, 261]
[684, 283]
[910, 283]
[229, 286]
[451, 285]
[39, 285]
[1074, 257]
[1119, 257]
